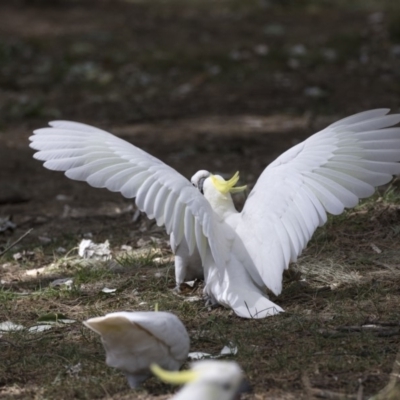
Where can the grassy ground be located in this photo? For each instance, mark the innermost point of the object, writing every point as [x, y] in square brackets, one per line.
[348, 277]
[225, 85]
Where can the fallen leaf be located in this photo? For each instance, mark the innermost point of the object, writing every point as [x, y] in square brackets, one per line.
[91, 250]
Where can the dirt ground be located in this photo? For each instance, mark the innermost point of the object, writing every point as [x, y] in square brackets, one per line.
[223, 85]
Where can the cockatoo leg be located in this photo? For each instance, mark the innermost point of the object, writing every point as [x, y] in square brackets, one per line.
[181, 266]
[211, 301]
[135, 380]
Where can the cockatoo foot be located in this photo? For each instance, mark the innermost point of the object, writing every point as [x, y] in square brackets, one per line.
[177, 289]
[210, 301]
[135, 380]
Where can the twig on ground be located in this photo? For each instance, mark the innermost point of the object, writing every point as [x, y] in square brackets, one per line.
[330, 333]
[380, 329]
[314, 393]
[383, 323]
[360, 391]
[16, 242]
[381, 264]
[307, 385]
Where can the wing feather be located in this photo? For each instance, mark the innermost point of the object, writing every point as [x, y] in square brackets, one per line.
[346, 197]
[373, 178]
[326, 173]
[357, 186]
[189, 231]
[74, 126]
[314, 202]
[199, 239]
[142, 192]
[362, 116]
[90, 154]
[308, 213]
[285, 245]
[81, 173]
[159, 205]
[178, 224]
[130, 188]
[169, 211]
[381, 144]
[386, 134]
[329, 201]
[99, 178]
[116, 182]
[64, 164]
[150, 199]
[373, 123]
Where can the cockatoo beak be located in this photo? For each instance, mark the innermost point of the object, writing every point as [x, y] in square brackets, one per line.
[174, 377]
[225, 187]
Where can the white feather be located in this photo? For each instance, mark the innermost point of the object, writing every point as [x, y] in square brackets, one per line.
[99, 178]
[169, 212]
[135, 340]
[179, 222]
[142, 193]
[103, 160]
[336, 167]
[189, 231]
[77, 126]
[241, 253]
[150, 199]
[130, 188]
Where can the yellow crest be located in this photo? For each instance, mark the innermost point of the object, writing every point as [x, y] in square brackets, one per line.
[225, 187]
[173, 377]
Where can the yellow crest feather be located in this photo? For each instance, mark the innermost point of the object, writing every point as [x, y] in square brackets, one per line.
[224, 186]
[173, 377]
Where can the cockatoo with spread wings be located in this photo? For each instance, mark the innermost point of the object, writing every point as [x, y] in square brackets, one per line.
[241, 253]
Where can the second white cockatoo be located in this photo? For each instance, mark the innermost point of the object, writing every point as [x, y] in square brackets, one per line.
[243, 253]
[206, 380]
[135, 340]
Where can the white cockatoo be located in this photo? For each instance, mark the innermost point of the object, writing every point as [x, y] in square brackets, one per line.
[206, 380]
[243, 253]
[135, 340]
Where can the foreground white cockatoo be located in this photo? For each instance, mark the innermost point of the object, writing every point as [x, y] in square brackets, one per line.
[206, 380]
[241, 253]
[135, 340]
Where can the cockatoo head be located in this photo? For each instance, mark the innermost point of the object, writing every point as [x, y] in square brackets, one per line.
[198, 179]
[205, 181]
[223, 379]
[217, 190]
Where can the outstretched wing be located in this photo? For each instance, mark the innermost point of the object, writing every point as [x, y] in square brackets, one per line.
[90, 154]
[328, 172]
